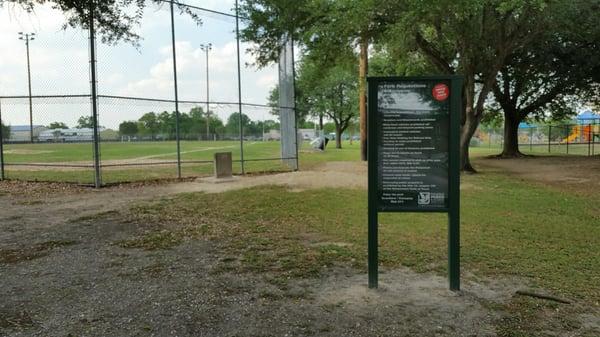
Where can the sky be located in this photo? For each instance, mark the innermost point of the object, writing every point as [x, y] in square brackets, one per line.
[60, 65]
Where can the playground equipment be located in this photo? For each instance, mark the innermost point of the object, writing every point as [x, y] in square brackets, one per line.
[587, 128]
[583, 132]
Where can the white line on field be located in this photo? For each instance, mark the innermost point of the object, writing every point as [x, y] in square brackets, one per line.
[190, 151]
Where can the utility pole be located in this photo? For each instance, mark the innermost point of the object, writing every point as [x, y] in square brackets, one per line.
[29, 37]
[206, 48]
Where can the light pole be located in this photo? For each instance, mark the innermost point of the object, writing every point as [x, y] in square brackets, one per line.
[29, 37]
[206, 48]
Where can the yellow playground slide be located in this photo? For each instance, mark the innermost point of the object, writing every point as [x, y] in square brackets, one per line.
[577, 131]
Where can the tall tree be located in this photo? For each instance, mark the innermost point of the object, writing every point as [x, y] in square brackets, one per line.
[116, 20]
[474, 39]
[232, 127]
[330, 90]
[128, 128]
[549, 76]
[321, 25]
[149, 125]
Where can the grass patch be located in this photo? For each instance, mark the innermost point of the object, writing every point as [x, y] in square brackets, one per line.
[33, 252]
[510, 228]
[16, 320]
[163, 239]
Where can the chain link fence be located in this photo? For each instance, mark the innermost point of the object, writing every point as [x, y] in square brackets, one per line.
[99, 114]
[581, 138]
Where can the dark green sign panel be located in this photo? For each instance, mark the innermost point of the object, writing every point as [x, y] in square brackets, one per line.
[414, 131]
[413, 135]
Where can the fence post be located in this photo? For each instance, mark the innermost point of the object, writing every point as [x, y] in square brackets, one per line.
[530, 139]
[176, 90]
[239, 70]
[1, 144]
[589, 139]
[94, 92]
[549, 137]
[568, 136]
[298, 144]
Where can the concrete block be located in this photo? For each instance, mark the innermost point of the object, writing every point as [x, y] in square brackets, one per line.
[223, 165]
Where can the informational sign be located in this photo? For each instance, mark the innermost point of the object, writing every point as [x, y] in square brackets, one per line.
[413, 135]
[413, 153]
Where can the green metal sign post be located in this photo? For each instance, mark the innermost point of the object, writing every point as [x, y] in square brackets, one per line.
[414, 156]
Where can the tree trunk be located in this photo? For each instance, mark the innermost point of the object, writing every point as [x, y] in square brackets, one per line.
[362, 95]
[338, 136]
[466, 133]
[321, 123]
[510, 148]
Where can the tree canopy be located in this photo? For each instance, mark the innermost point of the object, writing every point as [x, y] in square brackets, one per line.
[57, 125]
[115, 20]
[5, 130]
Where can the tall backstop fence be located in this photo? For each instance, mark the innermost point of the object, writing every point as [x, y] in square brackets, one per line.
[102, 113]
[580, 138]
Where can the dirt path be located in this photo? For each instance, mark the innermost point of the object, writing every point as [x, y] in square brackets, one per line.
[52, 204]
[63, 273]
[579, 174]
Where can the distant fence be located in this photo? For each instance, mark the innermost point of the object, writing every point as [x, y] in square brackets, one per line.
[75, 126]
[573, 139]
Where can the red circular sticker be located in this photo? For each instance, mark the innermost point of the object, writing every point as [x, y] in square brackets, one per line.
[440, 92]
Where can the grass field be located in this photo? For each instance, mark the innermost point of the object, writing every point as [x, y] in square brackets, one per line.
[555, 149]
[511, 229]
[160, 157]
[515, 230]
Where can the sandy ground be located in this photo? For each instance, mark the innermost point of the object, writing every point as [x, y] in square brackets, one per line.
[578, 174]
[75, 281]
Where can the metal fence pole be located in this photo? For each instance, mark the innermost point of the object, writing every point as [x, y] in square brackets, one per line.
[1, 145]
[568, 136]
[589, 139]
[530, 139]
[176, 91]
[94, 93]
[239, 70]
[549, 137]
[298, 145]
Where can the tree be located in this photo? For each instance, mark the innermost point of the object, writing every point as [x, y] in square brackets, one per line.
[5, 131]
[128, 128]
[232, 127]
[57, 125]
[548, 77]
[166, 121]
[331, 90]
[327, 26]
[115, 19]
[475, 40]
[149, 125]
[85, 122]
[302, 112]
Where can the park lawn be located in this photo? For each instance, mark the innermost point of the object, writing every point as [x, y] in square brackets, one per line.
[261, 157]
[167, 150]
[511, 229]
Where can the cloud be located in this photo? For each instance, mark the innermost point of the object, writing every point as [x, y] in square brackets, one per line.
[60, 62]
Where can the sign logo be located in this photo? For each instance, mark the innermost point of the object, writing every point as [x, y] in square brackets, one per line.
[440, 92]
[424, 198]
